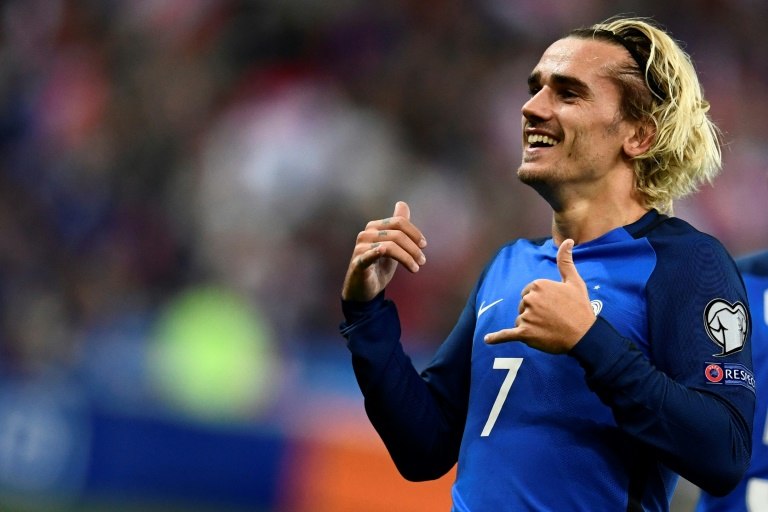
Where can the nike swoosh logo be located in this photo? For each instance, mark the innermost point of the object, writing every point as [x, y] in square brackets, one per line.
[484, 308]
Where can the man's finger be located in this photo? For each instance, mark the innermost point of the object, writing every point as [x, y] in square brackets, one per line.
[565, 263]
[368, 258]
[502, 336]
[402, 210]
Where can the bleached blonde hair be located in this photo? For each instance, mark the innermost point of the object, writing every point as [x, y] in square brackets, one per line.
[660, 86]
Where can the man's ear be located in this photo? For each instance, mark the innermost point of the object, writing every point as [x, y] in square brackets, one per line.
[640, 140]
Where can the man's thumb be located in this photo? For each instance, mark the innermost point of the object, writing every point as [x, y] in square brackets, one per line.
[565, 262]
[402, 210]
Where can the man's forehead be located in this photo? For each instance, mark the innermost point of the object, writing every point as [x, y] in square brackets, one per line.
[580, 57]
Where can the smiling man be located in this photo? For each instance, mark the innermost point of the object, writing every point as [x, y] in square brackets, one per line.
[589, 368]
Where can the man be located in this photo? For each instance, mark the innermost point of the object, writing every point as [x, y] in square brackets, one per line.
[589, 369]
[751, 495]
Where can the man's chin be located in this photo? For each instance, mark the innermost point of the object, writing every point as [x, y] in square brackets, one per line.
[542, 181]
[531, 177]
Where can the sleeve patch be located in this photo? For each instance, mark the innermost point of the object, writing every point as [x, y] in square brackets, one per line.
[727, 325]
[729, 374]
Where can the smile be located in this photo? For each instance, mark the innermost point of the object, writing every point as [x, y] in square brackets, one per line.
[541, 141]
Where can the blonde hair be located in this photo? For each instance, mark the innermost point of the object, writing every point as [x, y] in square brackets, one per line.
[660, 86]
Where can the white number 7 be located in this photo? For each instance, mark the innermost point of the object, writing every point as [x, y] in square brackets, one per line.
[511, 364]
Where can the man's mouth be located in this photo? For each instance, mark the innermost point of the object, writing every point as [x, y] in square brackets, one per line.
[541, 141]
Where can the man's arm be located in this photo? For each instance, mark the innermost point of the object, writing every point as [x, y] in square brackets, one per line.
[699, 428]
[420, 417]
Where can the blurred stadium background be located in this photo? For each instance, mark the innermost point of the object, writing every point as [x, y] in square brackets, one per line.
[181, 182]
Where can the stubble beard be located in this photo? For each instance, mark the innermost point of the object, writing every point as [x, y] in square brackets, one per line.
[536, 179]
[543, 181]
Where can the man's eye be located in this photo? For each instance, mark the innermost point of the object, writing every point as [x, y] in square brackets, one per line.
[533, 90]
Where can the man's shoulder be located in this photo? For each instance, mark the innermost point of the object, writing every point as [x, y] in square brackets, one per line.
[678, 237]
[659, 227]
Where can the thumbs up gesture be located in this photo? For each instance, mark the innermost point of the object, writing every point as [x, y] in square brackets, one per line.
[379, 248]
[553, 315]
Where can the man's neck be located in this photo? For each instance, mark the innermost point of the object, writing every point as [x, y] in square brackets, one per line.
[587, 221]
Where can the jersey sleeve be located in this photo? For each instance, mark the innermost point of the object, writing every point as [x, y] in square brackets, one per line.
[675, 400]
[419, 416]
[754, 270]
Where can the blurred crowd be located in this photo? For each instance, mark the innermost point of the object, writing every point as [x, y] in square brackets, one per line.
[151, 150]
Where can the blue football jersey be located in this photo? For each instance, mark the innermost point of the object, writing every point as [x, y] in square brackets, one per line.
[751, 495]
[660, 385]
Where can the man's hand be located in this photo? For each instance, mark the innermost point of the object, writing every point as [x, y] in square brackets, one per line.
[553, 316]
[379, 248]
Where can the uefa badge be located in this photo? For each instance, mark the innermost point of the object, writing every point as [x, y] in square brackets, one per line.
[714, 373]
[727, 325]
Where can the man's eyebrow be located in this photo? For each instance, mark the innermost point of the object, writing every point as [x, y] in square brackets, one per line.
[534, 78]
[559, 80]
[569, 81]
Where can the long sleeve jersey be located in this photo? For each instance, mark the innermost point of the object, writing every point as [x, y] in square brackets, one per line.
[660, 385]
[751, 495]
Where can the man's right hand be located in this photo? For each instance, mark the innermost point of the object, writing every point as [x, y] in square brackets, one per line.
[379, 248]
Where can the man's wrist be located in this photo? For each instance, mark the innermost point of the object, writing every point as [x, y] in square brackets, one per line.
[354, 310]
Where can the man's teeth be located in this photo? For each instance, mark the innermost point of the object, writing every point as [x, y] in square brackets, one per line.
[541, 139]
